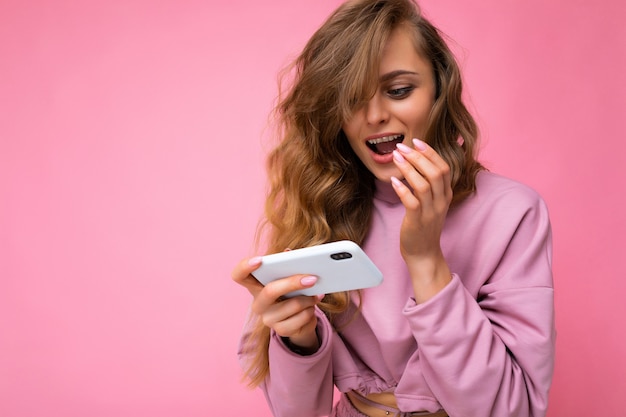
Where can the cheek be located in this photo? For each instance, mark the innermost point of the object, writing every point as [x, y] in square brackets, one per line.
[353, 144]
[417, 114]
[350, 130]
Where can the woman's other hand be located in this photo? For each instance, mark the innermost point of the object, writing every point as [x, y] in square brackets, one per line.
[426, 202]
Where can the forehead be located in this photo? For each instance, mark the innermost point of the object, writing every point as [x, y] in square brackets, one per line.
[401, 52]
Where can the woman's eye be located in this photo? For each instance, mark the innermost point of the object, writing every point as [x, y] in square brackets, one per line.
[398, 93]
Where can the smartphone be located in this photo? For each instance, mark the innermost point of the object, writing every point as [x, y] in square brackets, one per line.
[339, 266]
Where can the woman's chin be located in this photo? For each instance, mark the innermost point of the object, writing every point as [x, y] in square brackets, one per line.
[387, 174]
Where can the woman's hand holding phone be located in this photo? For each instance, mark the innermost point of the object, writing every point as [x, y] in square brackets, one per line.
[293, 318]
[285, 299]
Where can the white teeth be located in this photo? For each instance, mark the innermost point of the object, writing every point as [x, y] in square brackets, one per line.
[383, 139]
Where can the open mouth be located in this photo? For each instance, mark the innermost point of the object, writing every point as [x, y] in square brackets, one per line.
[384, 145]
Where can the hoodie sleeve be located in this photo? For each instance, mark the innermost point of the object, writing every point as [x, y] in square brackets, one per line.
[493, 355]
[299, 385]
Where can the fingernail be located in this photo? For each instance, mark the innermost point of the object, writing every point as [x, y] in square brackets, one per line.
[403, 148]
[419, 144]
[309, 280]
[396, 182]
[398, 157]
[255, 261]
[320, 297]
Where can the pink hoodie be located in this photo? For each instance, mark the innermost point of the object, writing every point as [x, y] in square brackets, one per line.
[483, 346]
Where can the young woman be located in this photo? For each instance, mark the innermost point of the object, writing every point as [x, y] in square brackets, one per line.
[377, 147]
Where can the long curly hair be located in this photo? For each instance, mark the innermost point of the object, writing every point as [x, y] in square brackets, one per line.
[319, 190]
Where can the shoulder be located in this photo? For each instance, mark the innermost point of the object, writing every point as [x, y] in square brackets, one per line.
[493, 185]
[499, 197]
[506, 192]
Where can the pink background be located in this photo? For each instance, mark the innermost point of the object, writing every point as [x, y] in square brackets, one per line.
[131, 180]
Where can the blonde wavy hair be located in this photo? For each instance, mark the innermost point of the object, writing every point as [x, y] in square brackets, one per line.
[319, 191]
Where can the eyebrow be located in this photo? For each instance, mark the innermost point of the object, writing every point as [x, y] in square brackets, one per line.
[393, 74]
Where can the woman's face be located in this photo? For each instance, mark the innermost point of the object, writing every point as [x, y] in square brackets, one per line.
[399, 110]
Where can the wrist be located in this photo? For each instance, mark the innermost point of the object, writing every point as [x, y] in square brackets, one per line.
[304, 346]
[429, 276]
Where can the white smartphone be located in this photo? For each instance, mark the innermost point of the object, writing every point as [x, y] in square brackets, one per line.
[339, 266]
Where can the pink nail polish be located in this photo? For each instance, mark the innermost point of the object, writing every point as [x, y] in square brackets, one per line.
[403, 148]
[308, 280]
[397, 156]
[255, 261]
[396, 182]
[419, 144]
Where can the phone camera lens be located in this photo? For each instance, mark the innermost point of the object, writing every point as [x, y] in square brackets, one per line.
[341, 255]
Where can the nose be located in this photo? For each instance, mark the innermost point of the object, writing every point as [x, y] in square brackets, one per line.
[375, 111]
